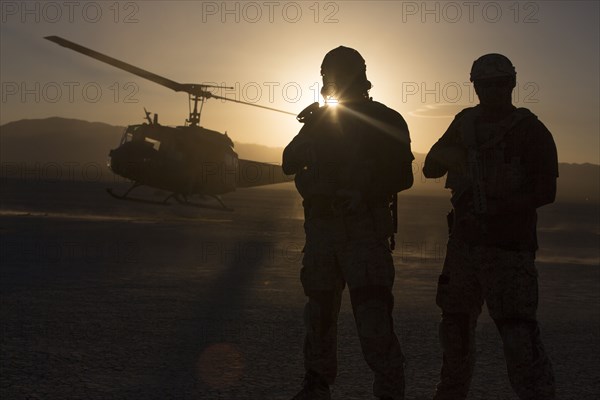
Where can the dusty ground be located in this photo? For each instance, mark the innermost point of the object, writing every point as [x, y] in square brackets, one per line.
[103, 299]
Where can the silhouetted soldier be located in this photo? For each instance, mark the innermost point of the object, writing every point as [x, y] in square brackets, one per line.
[350, 161]
[502, 165]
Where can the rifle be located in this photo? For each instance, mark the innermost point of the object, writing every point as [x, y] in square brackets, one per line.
[394, 210]
[474, 164]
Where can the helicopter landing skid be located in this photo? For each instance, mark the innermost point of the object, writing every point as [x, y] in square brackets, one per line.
[124, 196]
[180, 198]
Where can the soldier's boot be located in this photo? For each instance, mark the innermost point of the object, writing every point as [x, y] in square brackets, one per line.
[315, 387]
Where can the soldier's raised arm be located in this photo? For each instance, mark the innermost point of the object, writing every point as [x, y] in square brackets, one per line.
[394, 156]
[446, 153]
[297, 154]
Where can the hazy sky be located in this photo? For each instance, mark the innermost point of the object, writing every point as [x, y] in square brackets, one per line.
[418, 58]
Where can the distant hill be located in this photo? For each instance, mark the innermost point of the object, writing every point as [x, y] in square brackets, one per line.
[74, 148]
[57, 140]
[579, 182]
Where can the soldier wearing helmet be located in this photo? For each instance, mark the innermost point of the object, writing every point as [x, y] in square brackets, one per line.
[502, 165]
[350, 159]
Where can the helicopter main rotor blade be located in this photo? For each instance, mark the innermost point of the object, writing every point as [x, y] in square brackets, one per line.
[117, 63]
[191, 88]
[252, 104]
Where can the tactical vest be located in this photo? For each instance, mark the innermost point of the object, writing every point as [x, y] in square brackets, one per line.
[488, 173]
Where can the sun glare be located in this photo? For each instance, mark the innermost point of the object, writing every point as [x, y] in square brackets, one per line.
[331, 102]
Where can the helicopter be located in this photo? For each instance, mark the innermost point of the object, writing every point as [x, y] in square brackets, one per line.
[183, 160]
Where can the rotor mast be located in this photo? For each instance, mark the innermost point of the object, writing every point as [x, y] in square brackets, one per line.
[194, 119]
[198, 93]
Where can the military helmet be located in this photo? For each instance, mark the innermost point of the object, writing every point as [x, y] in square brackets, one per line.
[492, 65]
[345, 69]
[343, 59]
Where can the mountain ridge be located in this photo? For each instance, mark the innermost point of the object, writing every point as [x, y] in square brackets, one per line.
[61, 141]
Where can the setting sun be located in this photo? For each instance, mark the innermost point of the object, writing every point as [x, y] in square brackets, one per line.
[331, 102]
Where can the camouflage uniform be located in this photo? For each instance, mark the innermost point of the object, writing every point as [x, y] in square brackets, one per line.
[507, 281]
[361, 149]
[490, 254]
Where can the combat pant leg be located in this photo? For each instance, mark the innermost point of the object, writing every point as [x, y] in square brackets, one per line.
[368, 269]
[320, 343]
[512, 298]
[459, 297]
[529, 368]
[372, 306]
[323, 285]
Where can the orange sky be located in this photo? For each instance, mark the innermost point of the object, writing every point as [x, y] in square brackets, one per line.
[418, 58]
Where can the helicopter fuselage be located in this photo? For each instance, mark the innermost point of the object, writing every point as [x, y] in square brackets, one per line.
[184, 159]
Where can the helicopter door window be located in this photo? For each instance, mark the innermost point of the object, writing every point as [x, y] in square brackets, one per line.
[154, 143]
[127, 136]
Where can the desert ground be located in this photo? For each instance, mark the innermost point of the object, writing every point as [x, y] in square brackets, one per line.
[104, 299]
